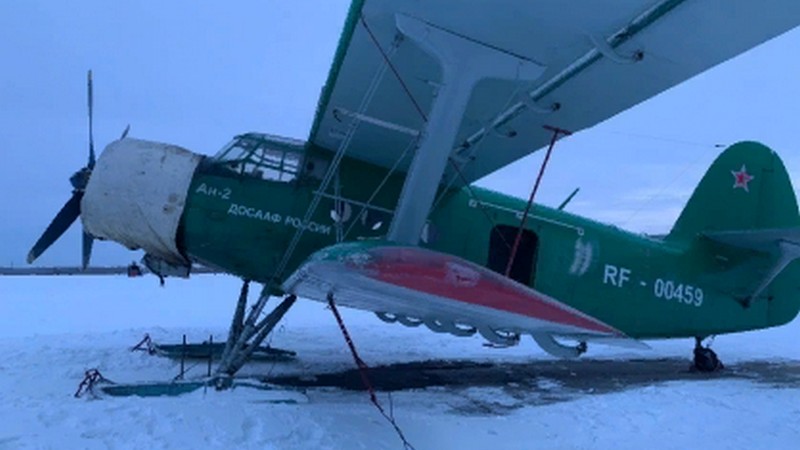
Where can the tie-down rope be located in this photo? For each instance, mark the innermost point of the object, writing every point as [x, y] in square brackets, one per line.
[557, 132]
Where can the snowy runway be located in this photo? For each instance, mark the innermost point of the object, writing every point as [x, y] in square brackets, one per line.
[446, 392]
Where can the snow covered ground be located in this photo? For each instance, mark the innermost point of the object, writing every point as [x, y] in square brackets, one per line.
[501, 399]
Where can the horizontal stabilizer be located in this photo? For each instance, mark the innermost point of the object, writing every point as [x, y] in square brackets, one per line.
[767, 241]
[132, 270]
[783, 243]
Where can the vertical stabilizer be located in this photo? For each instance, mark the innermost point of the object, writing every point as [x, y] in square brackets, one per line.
[746, 188]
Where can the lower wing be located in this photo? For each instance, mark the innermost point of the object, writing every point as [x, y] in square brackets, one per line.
[416, 286]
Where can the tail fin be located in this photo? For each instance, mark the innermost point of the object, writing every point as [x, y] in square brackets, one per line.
[746, 188]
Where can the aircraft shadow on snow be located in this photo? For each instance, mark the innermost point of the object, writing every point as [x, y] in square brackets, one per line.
[539, 382]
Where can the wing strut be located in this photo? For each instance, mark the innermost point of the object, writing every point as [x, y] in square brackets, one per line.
[464, 63]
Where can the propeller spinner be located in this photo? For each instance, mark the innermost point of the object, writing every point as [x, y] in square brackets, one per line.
[72, 209]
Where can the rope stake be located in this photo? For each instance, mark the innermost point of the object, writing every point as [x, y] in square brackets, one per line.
[90, 378]
[145, 345]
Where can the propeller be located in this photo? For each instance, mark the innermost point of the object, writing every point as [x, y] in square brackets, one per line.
[71, 210]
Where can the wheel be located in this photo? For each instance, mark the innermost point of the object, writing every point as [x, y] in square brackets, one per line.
[706, 360]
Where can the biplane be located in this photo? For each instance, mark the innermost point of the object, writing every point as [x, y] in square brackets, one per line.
[376, 209]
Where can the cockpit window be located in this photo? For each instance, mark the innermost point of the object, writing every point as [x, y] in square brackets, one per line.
[259, 156]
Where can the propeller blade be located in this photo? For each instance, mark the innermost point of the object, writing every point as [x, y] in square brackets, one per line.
[69, 212]
[91, 134]
[88, 240]
[125, 132]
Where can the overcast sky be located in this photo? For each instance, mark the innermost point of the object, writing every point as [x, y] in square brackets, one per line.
[196, 73]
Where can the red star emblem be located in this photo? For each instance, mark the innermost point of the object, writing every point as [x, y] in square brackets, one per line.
[741, 178]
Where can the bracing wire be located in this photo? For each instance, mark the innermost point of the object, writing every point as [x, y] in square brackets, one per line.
[334, 166]
[479, 204]
[678, 176]
[387, 59]
[258, 308]
[412, 144]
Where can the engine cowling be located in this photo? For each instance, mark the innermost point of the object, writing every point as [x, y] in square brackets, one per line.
[136, 196]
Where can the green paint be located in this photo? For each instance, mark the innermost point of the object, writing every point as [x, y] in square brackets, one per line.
[353, 16]
[683, 285]
[768, 203]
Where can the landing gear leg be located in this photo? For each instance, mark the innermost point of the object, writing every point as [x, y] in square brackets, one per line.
[247, 334]
[705, 359]
[237, 324]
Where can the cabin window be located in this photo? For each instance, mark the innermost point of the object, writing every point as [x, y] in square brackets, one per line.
[263, 157]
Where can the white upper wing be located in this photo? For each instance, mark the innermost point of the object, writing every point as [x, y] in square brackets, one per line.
[590, 50]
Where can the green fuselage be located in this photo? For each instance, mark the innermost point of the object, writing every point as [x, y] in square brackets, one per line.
[645, 287]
